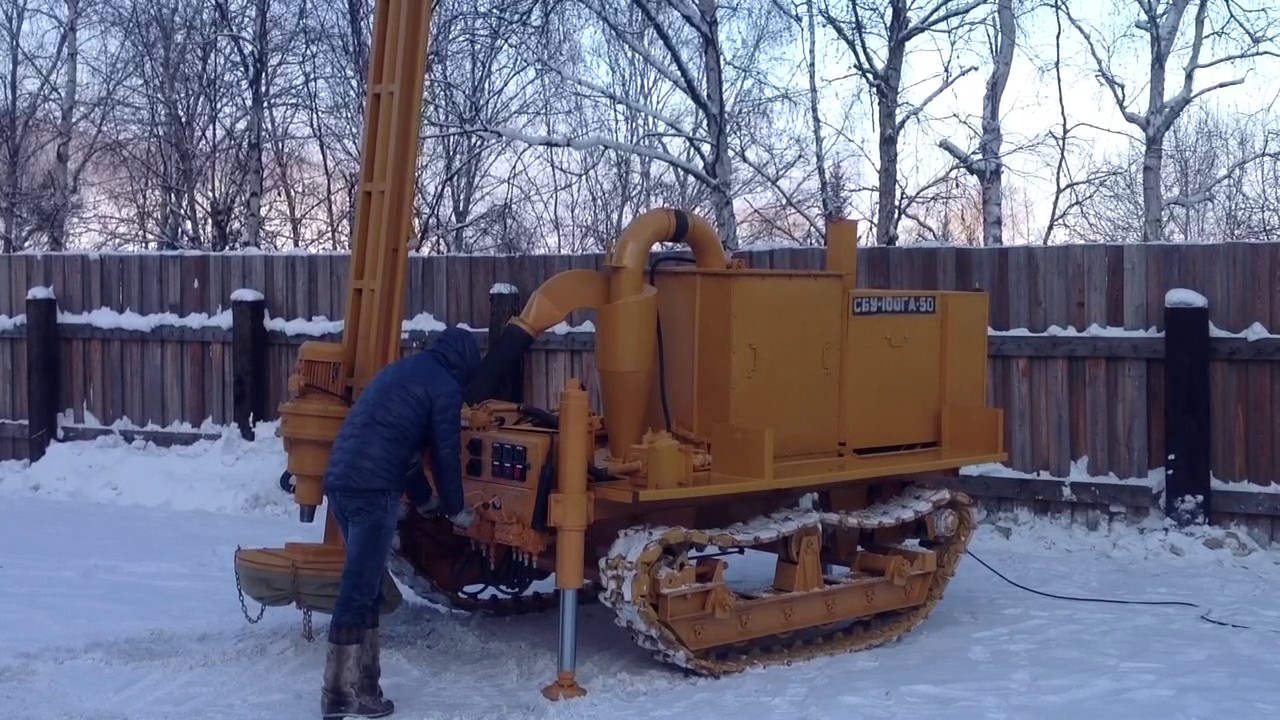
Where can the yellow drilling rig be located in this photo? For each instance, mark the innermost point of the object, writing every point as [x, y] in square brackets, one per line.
[744, 410]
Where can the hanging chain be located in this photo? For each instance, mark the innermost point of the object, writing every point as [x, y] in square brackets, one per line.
[262, 609]
[307, 631]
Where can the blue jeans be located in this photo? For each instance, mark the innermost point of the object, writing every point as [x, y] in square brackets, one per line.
[368, 524]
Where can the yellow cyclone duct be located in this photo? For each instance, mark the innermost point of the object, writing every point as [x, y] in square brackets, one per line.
[628, 257]
[627, 328]
[626, 318]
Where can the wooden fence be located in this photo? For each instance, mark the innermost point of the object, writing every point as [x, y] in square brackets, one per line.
[1067, 396]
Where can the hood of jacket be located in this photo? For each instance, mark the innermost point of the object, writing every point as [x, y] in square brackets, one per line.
[458, 352]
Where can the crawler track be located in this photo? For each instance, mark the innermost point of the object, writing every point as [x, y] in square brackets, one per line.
[639, 556]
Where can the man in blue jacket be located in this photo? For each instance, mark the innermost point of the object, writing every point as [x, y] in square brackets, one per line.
[412, 404]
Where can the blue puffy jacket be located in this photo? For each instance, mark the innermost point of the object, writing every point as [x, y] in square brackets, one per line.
[411, 405]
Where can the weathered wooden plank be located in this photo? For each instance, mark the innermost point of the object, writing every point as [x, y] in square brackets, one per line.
[1098, 416]
[1077, 493]
[318, 281]
[277, 291]
[482, 278]
[216, 389]
[1136, 385]
[339, 284]
[1058, 386]
[1114, 255]
[458, 279]
[1076, 415]
[1041, 454]
[1118, 415]
[161, 438]
[152, 375]
[537, 384]
[1075, 346]
[1039, 288]
[255, 272]
[96, 388]
[1030, 346]
[195, 378]
[1259, 422]
[11, 386]
[559, 364]
[1156, 455]
[1021, 413]
[1239, 502]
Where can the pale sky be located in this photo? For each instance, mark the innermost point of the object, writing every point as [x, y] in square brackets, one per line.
[1030, 104]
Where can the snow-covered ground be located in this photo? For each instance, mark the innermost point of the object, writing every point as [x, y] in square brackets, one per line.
[118, 601]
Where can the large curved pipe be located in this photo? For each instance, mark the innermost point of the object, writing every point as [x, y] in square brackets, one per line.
[627, 336]
[551, 303]
[565, 292]
[626, 317]
[628, 257]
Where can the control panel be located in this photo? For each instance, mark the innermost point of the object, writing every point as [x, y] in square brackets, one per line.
[506, 456]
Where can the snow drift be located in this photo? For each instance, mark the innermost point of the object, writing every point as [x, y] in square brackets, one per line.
[229, 474]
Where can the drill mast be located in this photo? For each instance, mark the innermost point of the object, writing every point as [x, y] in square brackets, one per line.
[328, 377]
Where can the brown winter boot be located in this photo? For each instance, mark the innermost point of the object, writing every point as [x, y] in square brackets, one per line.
[341, 696]
[371, 668]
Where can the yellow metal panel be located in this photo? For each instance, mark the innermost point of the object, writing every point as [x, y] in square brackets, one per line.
[964, 358]
[894, 369]
[742, 453]
[786, 359]
[677, 318]
[969, 430]
[871, 469]
[712, 350]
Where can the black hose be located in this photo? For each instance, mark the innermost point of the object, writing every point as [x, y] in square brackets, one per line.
[541, 418]
[548, 419]
[662, 361]
[505, 352]
[1176, 603]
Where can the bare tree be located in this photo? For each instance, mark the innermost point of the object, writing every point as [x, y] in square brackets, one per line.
[879, 35]
[1075, 185]
[987, 165]
[33, 49]
[61, 204]
[710, 87]
[253, 52]
[1242, 33]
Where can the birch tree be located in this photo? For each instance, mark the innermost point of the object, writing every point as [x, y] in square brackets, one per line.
[61, 205]
[1216, 34]
[32, 51]
[478, 77]
[252, 51]
[711, 82]
[879, 35]
[1075, 185]
[987, 164]
[697, 73]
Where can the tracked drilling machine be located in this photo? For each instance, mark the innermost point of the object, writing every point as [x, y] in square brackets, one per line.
[782, 413]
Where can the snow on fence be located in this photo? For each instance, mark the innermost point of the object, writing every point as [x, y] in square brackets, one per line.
[1077, 348]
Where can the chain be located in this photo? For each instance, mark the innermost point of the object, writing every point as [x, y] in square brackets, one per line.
[307, 631]
[239, 591]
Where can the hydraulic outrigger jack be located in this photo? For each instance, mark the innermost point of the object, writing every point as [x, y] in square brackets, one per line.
[569, 513]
